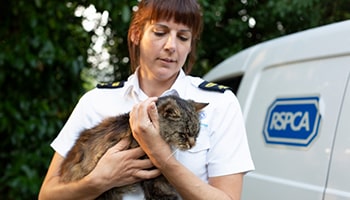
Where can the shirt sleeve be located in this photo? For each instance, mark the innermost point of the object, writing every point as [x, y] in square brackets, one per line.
[79, 120]
[229, 151]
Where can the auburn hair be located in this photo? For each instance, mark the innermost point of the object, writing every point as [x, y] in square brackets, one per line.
[186, 12]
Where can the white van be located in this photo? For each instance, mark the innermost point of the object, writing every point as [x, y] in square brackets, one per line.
[295, 96]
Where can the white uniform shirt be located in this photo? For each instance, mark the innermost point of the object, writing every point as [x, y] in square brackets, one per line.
[221, 146]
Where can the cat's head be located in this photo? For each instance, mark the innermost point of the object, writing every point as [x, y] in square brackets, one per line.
[179, 121]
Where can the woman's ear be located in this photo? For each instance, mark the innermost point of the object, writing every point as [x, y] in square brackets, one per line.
[135, 37]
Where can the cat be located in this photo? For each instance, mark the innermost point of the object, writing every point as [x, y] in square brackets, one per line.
[179, 127]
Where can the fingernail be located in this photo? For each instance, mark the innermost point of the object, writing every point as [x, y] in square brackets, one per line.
[153, 106]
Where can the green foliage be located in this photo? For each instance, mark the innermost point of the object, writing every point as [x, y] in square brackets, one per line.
[227, 29]
[42, 54]
[120, 14]
[44, 50]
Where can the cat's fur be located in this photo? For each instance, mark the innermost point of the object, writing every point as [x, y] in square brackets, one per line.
[179, 127]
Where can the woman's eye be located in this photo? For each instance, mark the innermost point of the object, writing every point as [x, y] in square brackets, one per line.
[183, 38]
[159, 33]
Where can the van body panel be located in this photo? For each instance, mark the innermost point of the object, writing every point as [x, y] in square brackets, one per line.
[294, 48]
[296, 168]
[339, 176]
[227, 70]
[295, 99]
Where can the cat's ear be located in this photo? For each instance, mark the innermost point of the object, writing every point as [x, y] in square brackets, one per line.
[170, 111]
[168, 108]
[199, 106]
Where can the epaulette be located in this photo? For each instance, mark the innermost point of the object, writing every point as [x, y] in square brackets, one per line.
[209, 86]
[111, 85]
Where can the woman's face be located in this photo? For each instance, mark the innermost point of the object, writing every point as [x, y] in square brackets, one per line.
[164, 47]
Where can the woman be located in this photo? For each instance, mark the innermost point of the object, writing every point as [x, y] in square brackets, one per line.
[162, 45]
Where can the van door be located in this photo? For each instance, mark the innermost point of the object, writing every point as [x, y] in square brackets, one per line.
[291, 120]
[338, 186]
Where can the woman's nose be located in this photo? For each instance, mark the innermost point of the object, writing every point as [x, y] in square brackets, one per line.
[170, 44]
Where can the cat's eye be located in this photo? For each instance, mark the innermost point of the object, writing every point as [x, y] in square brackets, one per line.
[183, 137]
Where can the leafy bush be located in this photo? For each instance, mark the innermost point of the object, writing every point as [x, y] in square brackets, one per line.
[44, 50]
[42, 53]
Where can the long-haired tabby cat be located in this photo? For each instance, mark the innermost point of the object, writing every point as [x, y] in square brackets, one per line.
[179, 127]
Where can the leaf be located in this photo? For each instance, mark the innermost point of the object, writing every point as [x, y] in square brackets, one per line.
[126, 14]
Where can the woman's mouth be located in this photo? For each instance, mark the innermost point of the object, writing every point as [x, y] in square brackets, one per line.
[167, 60]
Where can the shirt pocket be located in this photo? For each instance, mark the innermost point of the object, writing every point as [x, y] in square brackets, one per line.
[195, 159]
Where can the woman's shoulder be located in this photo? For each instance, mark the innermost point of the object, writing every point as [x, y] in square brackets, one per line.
[210, 89]
[104, 91]
[110, 85]
[217, 95]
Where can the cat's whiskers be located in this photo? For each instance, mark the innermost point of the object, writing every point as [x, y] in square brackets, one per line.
[172, 154]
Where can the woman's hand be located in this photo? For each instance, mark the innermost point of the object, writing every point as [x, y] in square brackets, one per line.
[145, 128]
[119, 167]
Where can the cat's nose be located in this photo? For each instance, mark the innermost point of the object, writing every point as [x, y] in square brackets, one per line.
[191, 142]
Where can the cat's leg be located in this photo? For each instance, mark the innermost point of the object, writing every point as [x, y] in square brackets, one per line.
[117, 193]
[158, 189]
[112, 194]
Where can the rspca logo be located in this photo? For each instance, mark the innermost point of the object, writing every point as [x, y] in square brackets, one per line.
[292, 121]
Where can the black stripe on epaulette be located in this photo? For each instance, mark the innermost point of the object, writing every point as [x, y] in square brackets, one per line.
[209, 86]
[111, 85]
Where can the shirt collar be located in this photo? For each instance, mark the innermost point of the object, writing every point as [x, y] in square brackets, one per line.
[179, 85]
[134, 91]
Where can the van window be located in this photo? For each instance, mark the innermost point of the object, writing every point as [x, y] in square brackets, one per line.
[233, 83]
